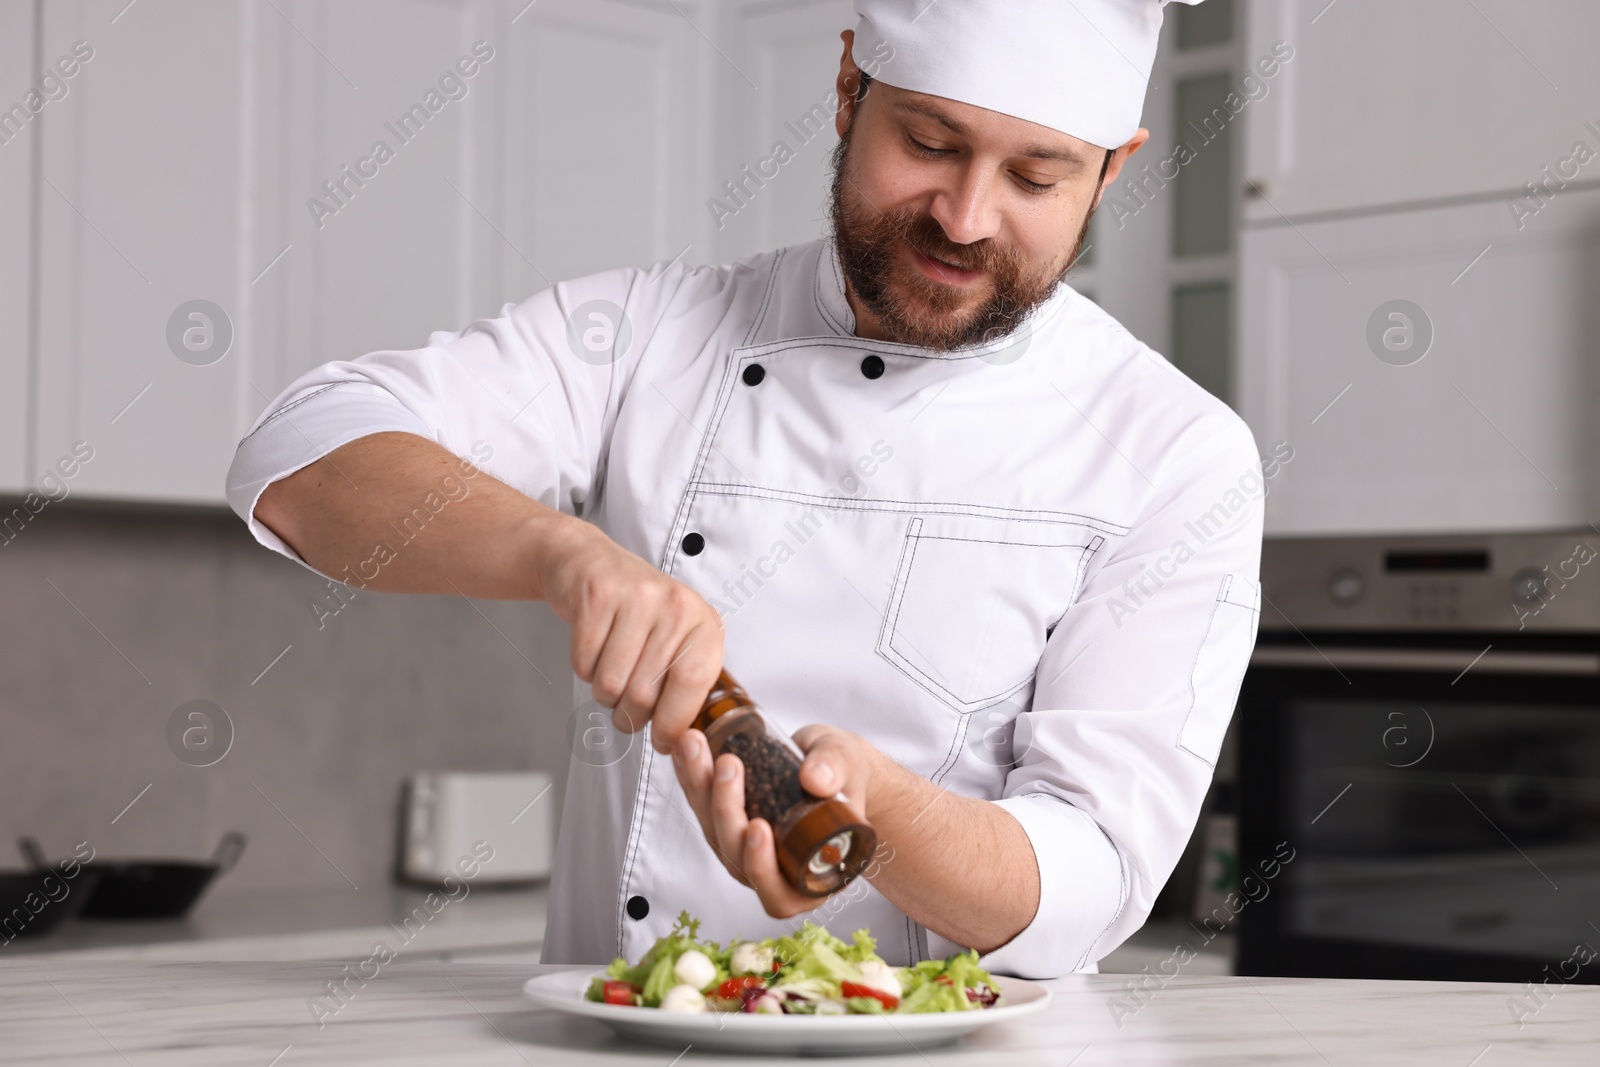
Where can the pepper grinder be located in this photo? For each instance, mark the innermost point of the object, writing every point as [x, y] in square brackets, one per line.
[822, 846]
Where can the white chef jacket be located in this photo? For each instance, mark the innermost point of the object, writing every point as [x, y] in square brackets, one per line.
[1027, 571]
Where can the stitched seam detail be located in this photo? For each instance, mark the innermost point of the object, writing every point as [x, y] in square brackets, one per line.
[669, 559]
[290, 407]
[941, 507]
[1194, 692]
[934, 688]
[908, 547]
[702, 456]
[766, 299]
[1122, 899]
[640, 798]
[850, 340]
[995, 541]
[889, 655]
[863, 344]
[943, 695]
[953, 756]
[1083, 569]
[962, 707]
[816, 295]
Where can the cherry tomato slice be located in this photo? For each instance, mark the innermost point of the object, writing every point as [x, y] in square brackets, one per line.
[619, 992]
[736, 986]
[856, 989]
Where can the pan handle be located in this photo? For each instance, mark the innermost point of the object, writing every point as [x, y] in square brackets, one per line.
[34, 854]
[229, 849]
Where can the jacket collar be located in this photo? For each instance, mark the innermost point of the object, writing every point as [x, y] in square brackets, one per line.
[829, 290]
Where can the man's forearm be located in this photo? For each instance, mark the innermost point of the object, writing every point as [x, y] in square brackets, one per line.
[398, 513]
[962, 867]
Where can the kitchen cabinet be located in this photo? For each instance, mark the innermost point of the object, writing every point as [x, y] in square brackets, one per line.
[144, 170]
[1424, 102]
[17, 141]
[1469, 407]
[775, 108]
[1414, 320]
[1161, 252]
[229, 153]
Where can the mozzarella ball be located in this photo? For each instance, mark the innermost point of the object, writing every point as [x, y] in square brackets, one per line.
[751, 957]
[832, 1007]
[880, 976]
[694, 968]
[684, 998]
[767, 1004]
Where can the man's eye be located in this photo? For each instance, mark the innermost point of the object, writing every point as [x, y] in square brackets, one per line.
[924, 149]
[1033, 186]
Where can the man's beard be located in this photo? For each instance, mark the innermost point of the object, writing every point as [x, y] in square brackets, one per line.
[914, 309]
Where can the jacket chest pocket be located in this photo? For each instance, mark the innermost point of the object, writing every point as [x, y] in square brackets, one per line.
[973, 596]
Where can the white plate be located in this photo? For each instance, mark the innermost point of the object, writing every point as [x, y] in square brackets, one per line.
[789, 1034]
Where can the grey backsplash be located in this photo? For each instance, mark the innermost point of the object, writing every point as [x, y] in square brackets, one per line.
[112, 617]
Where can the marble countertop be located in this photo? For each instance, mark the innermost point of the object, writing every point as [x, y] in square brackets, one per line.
[71, 1010]
[304, 924]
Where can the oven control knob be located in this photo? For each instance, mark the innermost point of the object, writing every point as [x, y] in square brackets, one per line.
[1346, 586]
[1528, 585]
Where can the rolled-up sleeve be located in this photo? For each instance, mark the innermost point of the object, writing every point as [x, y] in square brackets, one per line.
[529, 396]
[1133, 695]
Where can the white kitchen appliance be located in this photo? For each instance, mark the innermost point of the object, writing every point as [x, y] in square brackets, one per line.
[448, 813]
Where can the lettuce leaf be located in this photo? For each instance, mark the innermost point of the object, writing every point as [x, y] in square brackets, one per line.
[813, 965]
[922, 991]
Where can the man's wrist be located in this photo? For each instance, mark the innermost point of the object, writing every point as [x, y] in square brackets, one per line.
[545, 540]
[891, 789]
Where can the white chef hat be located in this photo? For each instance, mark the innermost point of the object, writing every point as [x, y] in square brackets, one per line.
[1078, 66]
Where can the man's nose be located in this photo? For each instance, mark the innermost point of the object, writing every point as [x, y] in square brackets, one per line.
[969, 210]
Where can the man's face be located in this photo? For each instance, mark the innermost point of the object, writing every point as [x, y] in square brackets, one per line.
[953, 222]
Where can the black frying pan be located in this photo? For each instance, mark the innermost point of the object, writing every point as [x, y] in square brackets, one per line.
[148, 889]
[34, 902]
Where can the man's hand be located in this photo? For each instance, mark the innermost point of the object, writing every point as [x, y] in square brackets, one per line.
[649, 646]
[837, 761]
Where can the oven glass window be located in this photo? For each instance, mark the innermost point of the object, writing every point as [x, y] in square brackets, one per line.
[1464, 827]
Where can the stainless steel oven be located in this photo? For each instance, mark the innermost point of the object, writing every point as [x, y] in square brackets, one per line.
[1420, 730]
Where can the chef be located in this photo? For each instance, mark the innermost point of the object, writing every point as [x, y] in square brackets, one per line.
[991, 560]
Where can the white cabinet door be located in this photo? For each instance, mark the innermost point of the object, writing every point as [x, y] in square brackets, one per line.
[374, 207]
[231, 153]
[568, 151]
[1419, 102]
[776, 113]
[143, 174]
[18, 137]
[606, 140]
[1469, 407]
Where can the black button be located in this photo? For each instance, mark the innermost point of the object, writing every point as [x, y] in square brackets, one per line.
[693, 543]
[872, 367]
[638, 908]
[754, 373]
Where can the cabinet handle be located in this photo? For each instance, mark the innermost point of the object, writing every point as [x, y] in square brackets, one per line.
[1436, 660]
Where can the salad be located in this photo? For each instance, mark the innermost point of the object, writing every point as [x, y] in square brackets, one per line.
[810, 972]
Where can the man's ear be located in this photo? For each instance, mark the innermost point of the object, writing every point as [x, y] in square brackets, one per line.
[1120, 156]
[848, 83]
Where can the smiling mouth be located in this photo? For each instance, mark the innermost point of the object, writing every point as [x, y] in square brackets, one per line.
[943, 270]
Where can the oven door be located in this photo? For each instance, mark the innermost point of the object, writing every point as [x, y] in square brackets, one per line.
[1439, 802]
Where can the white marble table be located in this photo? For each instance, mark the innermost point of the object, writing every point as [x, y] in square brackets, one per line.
[132, 1013]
